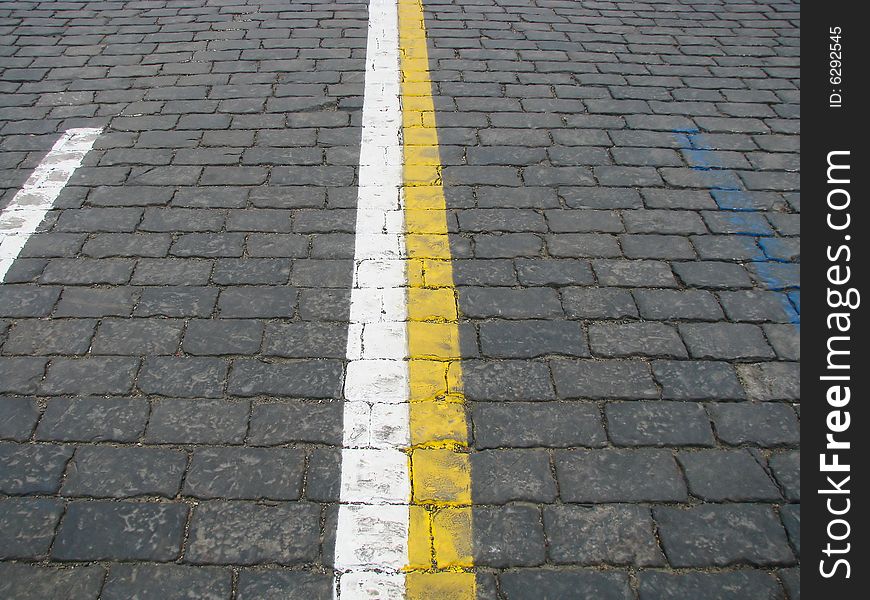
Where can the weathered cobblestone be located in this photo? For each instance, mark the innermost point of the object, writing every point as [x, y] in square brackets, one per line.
[619, 476]
[161, 581]
[129, 531]
[103, 471]
[244, 533]
[743, 534]
[612, 535]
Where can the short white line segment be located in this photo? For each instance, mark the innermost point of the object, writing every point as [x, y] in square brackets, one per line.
[372, 537]
[22, 217]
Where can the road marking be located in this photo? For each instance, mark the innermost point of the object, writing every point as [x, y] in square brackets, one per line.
[22, 217]
[404, 521]
[371, 547]
[440, 525]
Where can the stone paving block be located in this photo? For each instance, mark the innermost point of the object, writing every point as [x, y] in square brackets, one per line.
[186, 377]
[776, 275]
[785, 340]
[679, 222]
[208, 245]
[602, 198]
[30, 582]
[177, 302]
[510, 304]
[110, 472]
[697, 380]
[251, 271]
[658, 424]
[503, 476]
[598, 303]
[725, 341]
[627, 176]
[197, 421]
[21, 301]
[306, 340]
[725, 247]
[583, 245]
[97, 302]
[532, 339]
[791, 519]
[157, 582]
[324, 304]
[722, 535]
[323, 479]
[735, 585]
[85, 271]
[506, 380]
[635, 339]
[497, 219]
[18, 417]
[209, 196]
[665, 247]
[210, 337]
[550, 584]
[633, 273]
[562, 424]
[771, 381]
[27, 526]
[757, 306]
[138, 336]
[127, 245]
[95, 220]
[550, 272]
[791, 582]
[712, 275]
[332, 245]
[322, 273]
[26, 270]
[290, 421]
[251, 473]
[305, 379]
[764, 424]
[727, 475]
[677, 199]
[90, 376]
[677, 304]
[583, 221]
[524, 197]
[273, 584]
[129, 531]
[244, 533]
[258, 302]
[603, 379]
[53, 245]
[723, 222]
[508, 536]
[601, 535]
[72, 336]
[93, 419]
[787, 471]
[610, 475]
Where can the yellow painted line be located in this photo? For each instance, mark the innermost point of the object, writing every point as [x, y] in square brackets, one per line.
[440, 519]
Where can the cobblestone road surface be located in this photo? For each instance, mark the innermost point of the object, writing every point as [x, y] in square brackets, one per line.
[622, 187]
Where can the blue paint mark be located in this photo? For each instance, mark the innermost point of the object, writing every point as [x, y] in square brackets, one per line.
[740, 212]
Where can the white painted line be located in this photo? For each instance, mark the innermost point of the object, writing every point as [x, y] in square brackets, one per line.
[22, 217]
[371, 545]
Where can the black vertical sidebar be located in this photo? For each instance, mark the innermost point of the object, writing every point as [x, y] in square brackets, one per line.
[835, 422]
